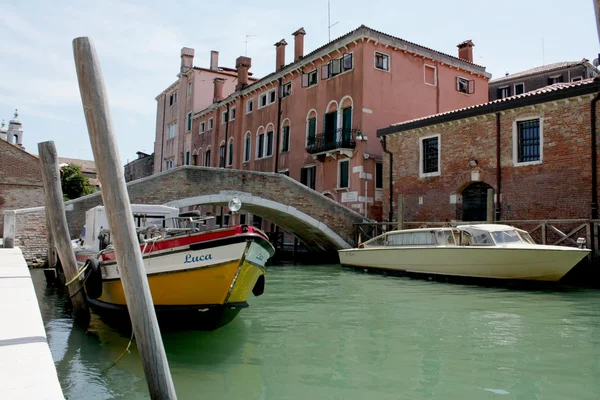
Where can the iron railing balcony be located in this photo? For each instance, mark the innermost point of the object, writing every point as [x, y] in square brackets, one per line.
[342, 138]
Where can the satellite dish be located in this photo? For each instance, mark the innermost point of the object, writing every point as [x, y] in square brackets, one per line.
[596, 62]
[235, 204]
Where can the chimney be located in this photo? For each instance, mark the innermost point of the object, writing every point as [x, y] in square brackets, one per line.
[299, 43]
[218, 93]
[242, 64]
[465, 51]
[187, 59]
[280, 55]
[214, 60]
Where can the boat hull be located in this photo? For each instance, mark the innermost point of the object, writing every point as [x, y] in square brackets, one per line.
[542, 263]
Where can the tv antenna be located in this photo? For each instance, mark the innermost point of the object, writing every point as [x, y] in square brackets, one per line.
[246, 41]
[329, 24]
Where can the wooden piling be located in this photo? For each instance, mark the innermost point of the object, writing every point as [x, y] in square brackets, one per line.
[120, 220]
[400, 212]
[490, 206]
[55, 215]
[10, 222]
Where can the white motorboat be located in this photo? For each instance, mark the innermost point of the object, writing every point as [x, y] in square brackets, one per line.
[491, 251]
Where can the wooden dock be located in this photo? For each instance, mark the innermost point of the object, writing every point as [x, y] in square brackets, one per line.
[27, 370]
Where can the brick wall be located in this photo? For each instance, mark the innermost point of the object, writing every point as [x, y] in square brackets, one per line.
[558, 188]
[20, 183]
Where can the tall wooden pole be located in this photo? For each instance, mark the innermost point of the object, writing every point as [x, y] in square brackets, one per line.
[57, 219]
[120, 221]
[490, 206]
[400, 211]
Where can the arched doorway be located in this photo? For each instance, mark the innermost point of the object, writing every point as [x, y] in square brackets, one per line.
[474, 199]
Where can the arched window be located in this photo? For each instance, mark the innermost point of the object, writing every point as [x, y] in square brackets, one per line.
[311, 128]
[346, 105]
[260, 143]
[195, 157]
[222, 154]
[230, 153]
[247, 146]
[330, 122]
[207, 157]
[269, 140]
[285, 136]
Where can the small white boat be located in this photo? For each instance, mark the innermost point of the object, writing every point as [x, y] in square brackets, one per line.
[490, 251]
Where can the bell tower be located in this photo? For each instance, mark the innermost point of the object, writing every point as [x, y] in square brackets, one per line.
[14, 134]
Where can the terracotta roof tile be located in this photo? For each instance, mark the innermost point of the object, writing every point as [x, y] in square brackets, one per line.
[86, 165]
[543, 69]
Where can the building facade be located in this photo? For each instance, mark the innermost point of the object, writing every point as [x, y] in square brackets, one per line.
[315, 119]
[190, 93]
[139, 168]
[536, 150]
[539, 77]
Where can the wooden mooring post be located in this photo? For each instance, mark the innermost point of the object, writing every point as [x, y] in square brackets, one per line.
[56, 217]
[400, 212]
[490, 210]
[10, 223]
[120, 220]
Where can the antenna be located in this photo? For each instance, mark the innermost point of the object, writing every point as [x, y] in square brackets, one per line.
[247, 36]
[329, 24]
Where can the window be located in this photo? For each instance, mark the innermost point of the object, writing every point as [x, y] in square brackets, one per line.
[210, 124]
[555, 79]
[224, 117]
[260, 145]
[172, 130]
[311, 130]
[519, 88]
[285, 172]
[382, 61]
[269, 143]
[527, 135]
[344, 174]
[188, 125]
[378, 175]
[464, 85]
[336, 66]
[430, 75]
[173, 98]
[232, 114]
[285, 139]
[230, 153]
[187, 158]
[286, 90]
[194, 159]
[249, 106]
[430, 156]
[168, 164]
[207, 158]
[222, 155]
[503, 92]
[202, 126]
[309, 79]
[247, 143]
[189, 92]
[266, 98]
[576, 79]
[308, 175]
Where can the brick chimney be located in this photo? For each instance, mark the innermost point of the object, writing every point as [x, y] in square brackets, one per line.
[187, 59]
[299, 43]
[242, 64]
[280, 55]
[214, 60]
[465, 51]
[218, 93]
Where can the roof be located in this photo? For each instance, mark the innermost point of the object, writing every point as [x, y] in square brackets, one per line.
[544, 69]
[88, 166]
[398, 43]
[545, 94]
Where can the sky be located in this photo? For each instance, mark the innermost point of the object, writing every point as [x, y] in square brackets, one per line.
[139, 44]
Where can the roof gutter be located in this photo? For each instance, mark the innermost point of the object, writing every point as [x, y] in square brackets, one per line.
[391, 200]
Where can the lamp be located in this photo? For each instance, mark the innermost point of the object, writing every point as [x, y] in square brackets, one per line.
[359, 135]
[473, 163]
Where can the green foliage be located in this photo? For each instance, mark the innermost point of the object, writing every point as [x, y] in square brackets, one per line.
[73, 183]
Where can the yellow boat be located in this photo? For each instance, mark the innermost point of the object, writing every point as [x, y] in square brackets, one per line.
[198, 278]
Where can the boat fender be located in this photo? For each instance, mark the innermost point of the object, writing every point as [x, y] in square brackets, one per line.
[93, 282]
[259, 287]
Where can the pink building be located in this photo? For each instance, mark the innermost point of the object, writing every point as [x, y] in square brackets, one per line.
[315, 119]
[190, 93]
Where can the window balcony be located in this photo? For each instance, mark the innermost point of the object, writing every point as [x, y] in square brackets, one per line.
[332, 141]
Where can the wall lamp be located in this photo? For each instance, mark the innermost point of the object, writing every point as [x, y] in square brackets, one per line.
[359, 135]
[473, 163]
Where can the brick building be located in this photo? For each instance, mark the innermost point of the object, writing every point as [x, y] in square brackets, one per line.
[315, 118]
[139, 168]
[538, 77]
[536, 150]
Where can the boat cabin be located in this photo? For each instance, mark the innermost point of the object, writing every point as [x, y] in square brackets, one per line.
[415, 237]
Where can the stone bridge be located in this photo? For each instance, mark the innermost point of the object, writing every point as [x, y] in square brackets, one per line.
[322, 224]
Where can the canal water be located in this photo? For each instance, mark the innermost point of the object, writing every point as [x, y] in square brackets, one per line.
[322, 332]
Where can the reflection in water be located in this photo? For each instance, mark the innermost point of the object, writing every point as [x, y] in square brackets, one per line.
[327, 333]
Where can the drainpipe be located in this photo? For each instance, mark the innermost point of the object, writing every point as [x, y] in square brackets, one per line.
[498, 169]
[594, 167]
[278, 131]
[226, 134]
[391, 212]
[162, 141]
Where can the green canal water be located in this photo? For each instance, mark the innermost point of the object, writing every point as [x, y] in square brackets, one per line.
[321, 332]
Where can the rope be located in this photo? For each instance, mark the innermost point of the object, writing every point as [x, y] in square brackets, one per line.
[81, 271]
[122, 354]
